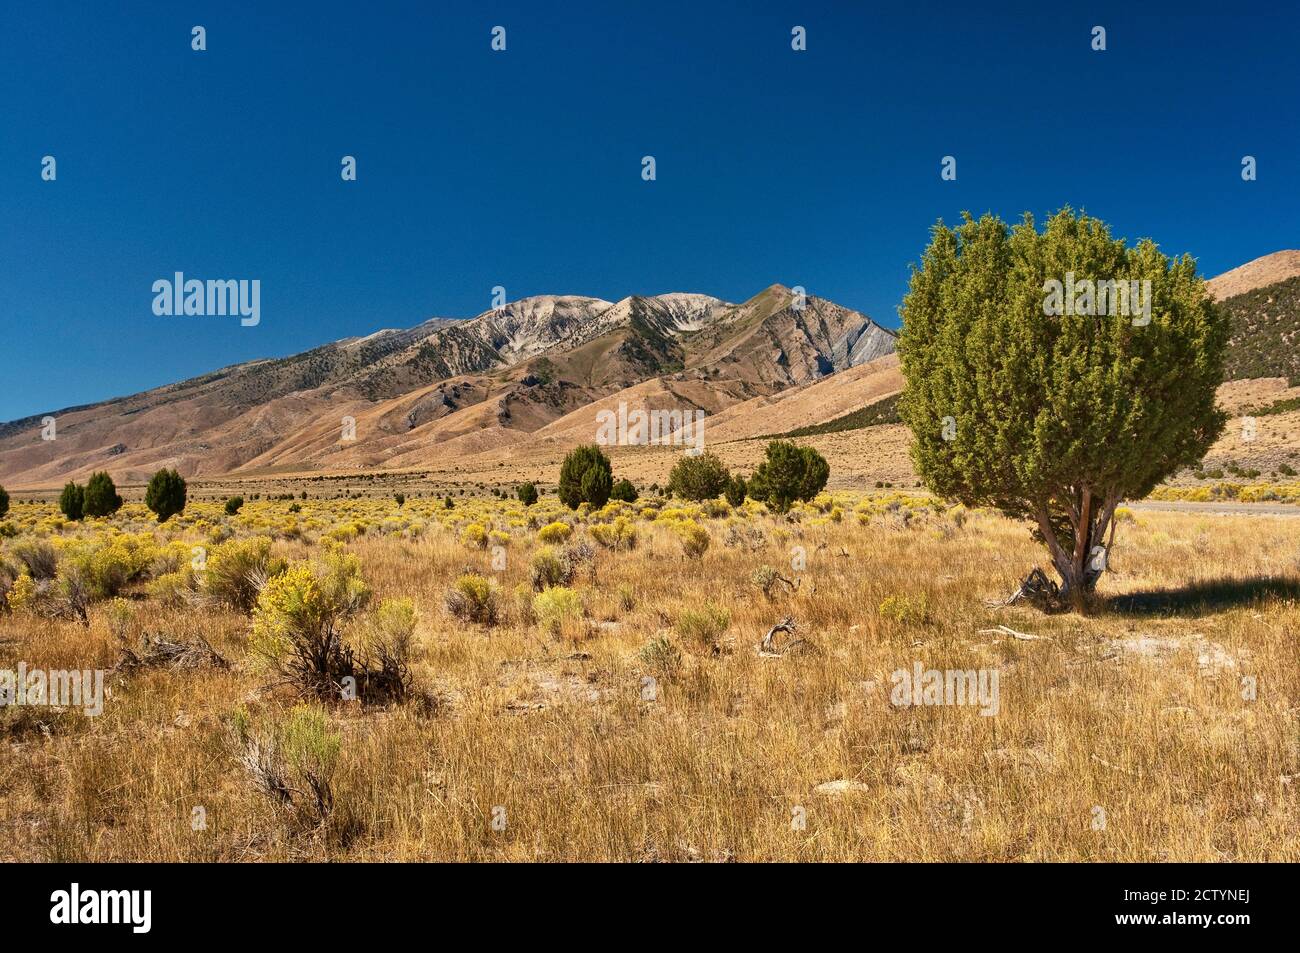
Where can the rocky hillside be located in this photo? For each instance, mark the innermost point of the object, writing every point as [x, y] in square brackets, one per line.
[1265, 332]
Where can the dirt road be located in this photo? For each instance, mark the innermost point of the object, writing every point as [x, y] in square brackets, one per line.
[1225, 508]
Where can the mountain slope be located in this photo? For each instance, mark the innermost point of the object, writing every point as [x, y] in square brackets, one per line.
[772, 340]
[446, 386]
[1265, 338]
[1266, 270]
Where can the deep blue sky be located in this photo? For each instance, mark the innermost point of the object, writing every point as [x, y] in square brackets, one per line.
[522, 168]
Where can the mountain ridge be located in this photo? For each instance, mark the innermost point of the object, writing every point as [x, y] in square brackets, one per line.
[529, 377]
[445, 385]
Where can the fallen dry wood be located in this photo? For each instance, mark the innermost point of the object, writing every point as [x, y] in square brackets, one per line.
[157, 651]
[768, 645]
[1022, 636]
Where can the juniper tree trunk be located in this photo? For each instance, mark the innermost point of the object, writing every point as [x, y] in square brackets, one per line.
[1079, 554]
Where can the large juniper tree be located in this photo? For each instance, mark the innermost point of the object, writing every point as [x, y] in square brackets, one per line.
[1056, 418]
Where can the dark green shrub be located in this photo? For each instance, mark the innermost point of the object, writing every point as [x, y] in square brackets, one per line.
[788, 473]
[100, 496]
[597, 484]
[165, 495]
[735, 491]
[72, 501]
[700, 477]
[585, 477]
[625, 491]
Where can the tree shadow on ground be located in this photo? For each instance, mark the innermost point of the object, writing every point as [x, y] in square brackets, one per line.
[1207, 595]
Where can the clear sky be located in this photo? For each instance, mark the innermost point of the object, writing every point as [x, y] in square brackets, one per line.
[523, 168]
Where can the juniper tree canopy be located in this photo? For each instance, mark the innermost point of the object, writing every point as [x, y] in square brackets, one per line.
[788, 473]
[585, 477]
[72, 500]
[165, 494]
[1040, 382]
[100, 496]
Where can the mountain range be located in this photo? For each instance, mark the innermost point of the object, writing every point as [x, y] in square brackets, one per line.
[404, 398]
[518, 385]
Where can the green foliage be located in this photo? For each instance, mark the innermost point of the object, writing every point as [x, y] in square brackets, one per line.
[298, 618]
[1055, 418]
[392, 630]
[558, 610]
[527, 493]
[165, 495]
[625, 491]
[37, 556]
[620, 534]
[585, 477]
[736, 490]
[698, 477]
[473, 599]
[234, 504]
[552, 568]
[233, 571]
[308, 743]
[1262, 322]
[875, 414]
[399, 499]
[72, 501]
[292, 760]
[907, 610]
[597, 484]
[705, 625]
[544, 371]
[1283, 406]
[661, 657]
[788, 473]
[100, 496]
[4, 501]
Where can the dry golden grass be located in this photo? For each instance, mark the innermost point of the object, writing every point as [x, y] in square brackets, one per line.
[1137, 710]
